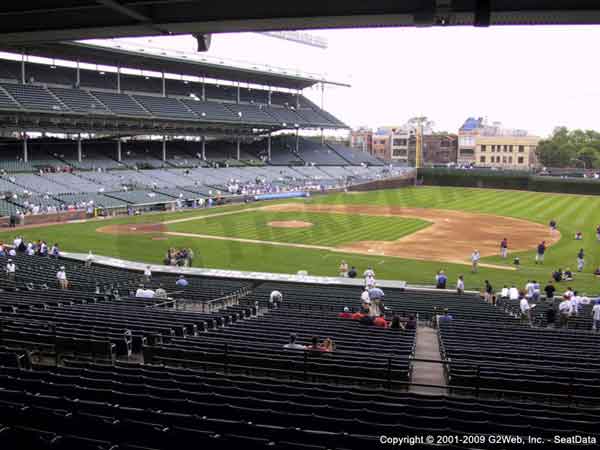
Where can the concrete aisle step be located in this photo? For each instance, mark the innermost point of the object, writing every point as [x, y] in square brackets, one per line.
[427, 347]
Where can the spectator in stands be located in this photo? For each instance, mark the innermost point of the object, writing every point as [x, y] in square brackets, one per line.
[596, 316]
[440, 280]
[328, 345]
[292, 344]
[89, 259]
[411, 324]
[396, 323]
[190, 257]
[43, 249]
[345, 314]
[314, 345]
[148, 293]
[181, 282]
[488, 291]
[568, 293]
[352, 272]
[513, 293]
[504, 293]
[364, 297]
[17, 242]
[380, 321]
[460, 285]
[140, 291]
[366, 319]
[529, 289]
[574, 300]
[358, 315]
[275, 299]
[61, 276]
[343, 269]
[12, 252]
[525, 311]
[475, 257]
[11, 269]
[148, 274]
[551, 317]
[55, 251]
[564, 309]
[549, 289]
[160, 292]
[535, 295]
[30, 251]
[446, 317]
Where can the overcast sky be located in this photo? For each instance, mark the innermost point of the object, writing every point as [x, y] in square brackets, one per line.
[533, 78]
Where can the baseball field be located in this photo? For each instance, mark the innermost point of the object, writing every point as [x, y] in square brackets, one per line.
[404, 234]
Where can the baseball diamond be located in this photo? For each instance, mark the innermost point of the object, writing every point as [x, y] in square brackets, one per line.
[409, 234]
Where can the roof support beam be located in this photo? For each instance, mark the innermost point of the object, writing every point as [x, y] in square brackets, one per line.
[132, 14]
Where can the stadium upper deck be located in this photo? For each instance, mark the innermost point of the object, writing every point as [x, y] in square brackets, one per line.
[69, 98]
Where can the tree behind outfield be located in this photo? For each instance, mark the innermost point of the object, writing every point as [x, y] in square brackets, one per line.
[570, 148]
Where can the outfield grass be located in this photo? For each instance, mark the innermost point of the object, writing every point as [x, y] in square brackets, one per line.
[572, 213]
[328, 230]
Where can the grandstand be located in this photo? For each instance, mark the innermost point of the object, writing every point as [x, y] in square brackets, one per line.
[105, 362]
[116, 132]
[219, 375]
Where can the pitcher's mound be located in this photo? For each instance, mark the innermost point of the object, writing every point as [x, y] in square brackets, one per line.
[289, 224]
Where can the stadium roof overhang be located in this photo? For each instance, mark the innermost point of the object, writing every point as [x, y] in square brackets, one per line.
[65, 20]
[154, 61]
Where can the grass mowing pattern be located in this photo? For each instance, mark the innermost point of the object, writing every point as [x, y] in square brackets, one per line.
[328, 229]
[572, 212]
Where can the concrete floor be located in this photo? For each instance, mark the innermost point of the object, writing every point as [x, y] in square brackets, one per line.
[427, 347]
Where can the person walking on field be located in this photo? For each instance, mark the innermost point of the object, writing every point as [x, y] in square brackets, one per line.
[598, 232]
[475, 257]
[541, 250]
[580, 260]
[504, 248]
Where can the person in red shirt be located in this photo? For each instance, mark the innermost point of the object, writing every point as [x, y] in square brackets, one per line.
[357, 315]
[380, 322]
[346, 314]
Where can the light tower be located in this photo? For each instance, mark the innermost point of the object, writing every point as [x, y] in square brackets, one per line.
[419, 146]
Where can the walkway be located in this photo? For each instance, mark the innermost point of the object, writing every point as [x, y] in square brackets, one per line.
[427, 347]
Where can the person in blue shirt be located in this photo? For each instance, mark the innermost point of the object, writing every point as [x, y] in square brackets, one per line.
[440, 280]
[181, 281]
[445, 317]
